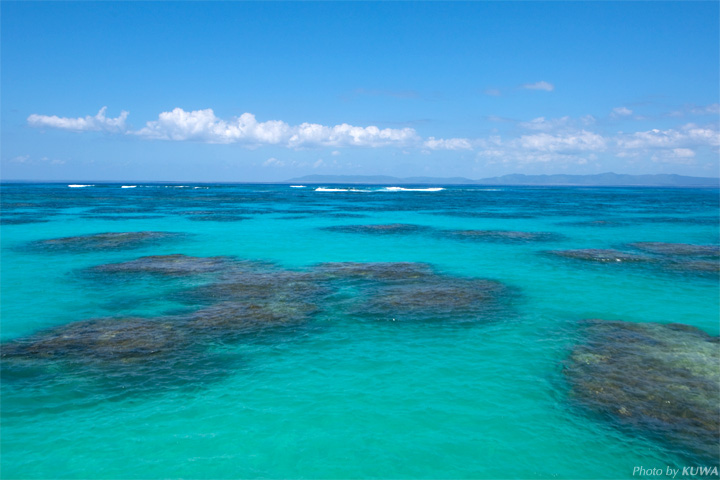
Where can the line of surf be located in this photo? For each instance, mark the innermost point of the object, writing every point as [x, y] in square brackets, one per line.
[402, 189]
[325, 189]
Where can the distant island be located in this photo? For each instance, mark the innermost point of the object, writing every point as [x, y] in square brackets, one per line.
[598, 180]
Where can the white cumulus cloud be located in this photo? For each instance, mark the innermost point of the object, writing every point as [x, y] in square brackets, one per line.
[563, 140]
[447, 144]
[98, 122]
[542, 85]
[683, 152]
[621, 112]
[273, 162]
[713, 109]
[580, 141]
[204, 126]
[689, 135]
[543, 124]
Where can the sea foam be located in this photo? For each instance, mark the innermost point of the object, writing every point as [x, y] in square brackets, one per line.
[401, 189]
[323, 189]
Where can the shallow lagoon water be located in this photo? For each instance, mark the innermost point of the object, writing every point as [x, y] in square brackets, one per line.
[343, 394]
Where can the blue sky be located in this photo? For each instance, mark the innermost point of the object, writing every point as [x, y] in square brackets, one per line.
[265, 91]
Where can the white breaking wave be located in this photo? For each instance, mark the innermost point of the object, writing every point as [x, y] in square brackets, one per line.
[297, 186]
[401, 189]
[323, 189]
[80, 186]
[128, 186]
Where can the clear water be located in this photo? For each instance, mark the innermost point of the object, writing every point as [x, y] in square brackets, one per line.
[344, 396]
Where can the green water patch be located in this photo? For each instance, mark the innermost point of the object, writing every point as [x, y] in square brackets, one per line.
[315, 380]
[662, 381]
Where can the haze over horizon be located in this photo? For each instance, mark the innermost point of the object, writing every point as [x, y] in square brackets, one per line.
[245, 91]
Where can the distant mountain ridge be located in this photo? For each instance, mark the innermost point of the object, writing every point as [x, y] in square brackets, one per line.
[599, 180]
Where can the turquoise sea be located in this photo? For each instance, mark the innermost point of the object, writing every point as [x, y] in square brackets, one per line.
[277, 331]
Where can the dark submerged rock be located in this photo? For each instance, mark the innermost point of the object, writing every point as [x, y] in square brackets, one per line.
[387, 229]
[111, 358]
[595, 223]
[659, 380]
[103, 241]
[376, 271]
[218, 218]
[503, 236]
[343, 215]
[485, 214]
[413, 291]
[119, 210]
[170, 265]
[121, 218]
[693, 220]
[228, 320]
[678, 249]
[251, 300]
[708, 268]
[22, 219]
[104, 340]
[601, 255]
[441, 298]
[684, 258]
[255, 285]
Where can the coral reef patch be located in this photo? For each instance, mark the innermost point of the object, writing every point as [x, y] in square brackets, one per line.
[376, 271]
[502, 236]
[243, 301]
[386, 229]
[676, 258]
[602, 255]
[103, 241]
[100, 340]
[678, 249]
[171, 265]
[414, 291]
[659, 380]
